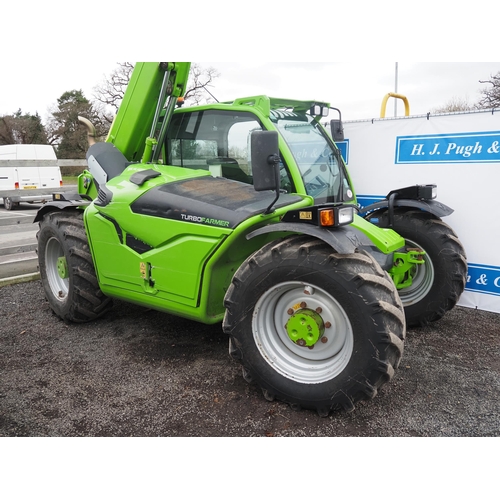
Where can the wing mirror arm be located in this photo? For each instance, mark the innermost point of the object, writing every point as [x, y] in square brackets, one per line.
[274, 161]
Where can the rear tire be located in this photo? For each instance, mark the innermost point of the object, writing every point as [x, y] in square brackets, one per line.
[9, 204]
[439, 282]
[66, 268]
[300, 280]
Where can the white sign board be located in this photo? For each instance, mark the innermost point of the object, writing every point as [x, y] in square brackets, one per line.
[458, 152]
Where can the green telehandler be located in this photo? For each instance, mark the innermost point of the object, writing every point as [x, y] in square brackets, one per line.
[243, 213]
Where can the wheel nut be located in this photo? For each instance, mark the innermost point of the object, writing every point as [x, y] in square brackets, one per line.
[328, 324]
[319, 310]
[303, 305]
[290, 311]
[324, 340]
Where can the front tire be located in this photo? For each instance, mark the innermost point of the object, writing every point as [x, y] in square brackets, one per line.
[66, 268]
[316, 329]
[440, 281]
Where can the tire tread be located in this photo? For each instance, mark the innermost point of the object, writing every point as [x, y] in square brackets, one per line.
[85, 301]
[366, 275]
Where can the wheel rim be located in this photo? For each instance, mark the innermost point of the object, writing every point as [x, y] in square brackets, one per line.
[55, 266]
[422, 280]
[332, 345]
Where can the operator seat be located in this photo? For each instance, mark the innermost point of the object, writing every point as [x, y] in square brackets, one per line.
[230, 169]
[108, 157]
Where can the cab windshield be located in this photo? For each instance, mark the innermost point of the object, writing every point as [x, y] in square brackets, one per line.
[316, 156]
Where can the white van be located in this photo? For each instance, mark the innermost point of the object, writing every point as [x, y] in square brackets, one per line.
[28, 173]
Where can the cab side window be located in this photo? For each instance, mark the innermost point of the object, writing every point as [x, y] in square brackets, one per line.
[214, 140]
[187, 144]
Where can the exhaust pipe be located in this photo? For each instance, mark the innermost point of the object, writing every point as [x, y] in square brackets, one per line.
[91, 136]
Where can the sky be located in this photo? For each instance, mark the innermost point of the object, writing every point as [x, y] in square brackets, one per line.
[356, 88]
[49, 49]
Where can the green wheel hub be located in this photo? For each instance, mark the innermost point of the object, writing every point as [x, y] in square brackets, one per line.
[62, 267]
[305, 327]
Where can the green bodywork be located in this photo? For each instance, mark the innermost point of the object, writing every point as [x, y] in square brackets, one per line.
[183, 266]
[189, 266]
[132, 124]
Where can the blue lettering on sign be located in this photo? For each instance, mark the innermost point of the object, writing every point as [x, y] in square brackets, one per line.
[483, 147]
[483, 279]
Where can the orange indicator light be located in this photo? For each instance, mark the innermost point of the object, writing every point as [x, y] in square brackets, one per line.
[326, 218]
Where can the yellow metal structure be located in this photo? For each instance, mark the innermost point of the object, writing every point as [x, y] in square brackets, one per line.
[397, 96]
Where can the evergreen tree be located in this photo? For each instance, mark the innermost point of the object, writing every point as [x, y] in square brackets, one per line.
[22, 128]
[66, 132]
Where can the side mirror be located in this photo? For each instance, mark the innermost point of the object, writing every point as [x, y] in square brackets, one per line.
[337, 130]
[265, 160]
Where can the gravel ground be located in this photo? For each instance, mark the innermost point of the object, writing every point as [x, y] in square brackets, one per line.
[138, 372]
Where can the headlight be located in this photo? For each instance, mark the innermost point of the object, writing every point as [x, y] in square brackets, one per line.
[428, 192]
[345, 215]
[327, 215]
[336, 216]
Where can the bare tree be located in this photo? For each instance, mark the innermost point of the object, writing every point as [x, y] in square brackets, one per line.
[111, 91]
[491, 95]
[200, 79]
[454, 105]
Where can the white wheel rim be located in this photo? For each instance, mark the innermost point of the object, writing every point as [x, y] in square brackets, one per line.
[59, 286]
[326, 359]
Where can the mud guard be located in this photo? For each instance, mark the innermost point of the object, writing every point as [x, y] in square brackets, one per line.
[60, 205]
[344, 240]
[432, 206]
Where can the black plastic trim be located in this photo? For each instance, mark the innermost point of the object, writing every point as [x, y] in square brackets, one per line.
[59, 205]
[207, 200]
[137, 245]
[139, 178]
[104, 196]
[344, 239]
[432, 206]
[118, 229]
